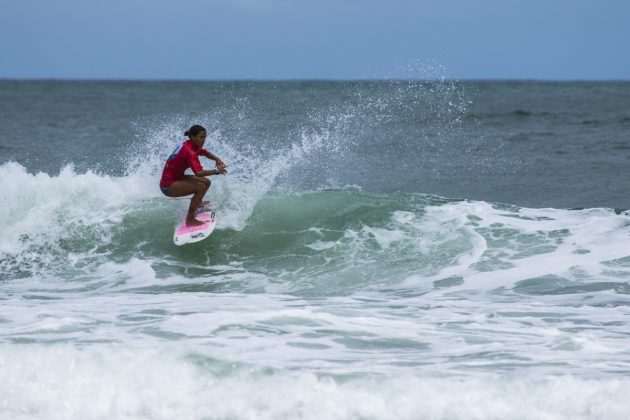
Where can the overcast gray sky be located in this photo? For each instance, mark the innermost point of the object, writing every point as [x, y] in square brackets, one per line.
[300, 39]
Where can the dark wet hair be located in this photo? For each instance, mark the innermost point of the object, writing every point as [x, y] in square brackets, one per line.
[194, 130]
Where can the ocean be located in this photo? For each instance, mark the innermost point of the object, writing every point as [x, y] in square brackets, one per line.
[393, 249]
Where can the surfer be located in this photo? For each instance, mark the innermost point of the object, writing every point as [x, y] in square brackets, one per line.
[175, 183]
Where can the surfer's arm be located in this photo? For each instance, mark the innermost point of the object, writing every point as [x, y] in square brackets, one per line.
[208, 172]
[195, 165]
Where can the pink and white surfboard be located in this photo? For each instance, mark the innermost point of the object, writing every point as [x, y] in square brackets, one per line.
[189, 234]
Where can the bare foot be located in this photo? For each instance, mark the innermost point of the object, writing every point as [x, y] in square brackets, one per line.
[194, 222]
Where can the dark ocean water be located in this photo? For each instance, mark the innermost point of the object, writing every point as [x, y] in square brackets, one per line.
[384, 249]
[536, 144]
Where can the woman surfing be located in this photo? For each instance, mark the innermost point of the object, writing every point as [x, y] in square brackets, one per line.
[174, 183]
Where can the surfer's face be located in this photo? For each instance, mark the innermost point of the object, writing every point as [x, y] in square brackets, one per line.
[200, 138]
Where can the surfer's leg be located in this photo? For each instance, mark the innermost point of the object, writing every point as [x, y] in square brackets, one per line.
[205, 182]
[185, 187]
[206, 185]
[200, 180]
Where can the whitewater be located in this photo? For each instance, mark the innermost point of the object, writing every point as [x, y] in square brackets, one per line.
[384, 250]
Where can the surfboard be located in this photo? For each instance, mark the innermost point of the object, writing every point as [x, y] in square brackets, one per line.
[190, 234]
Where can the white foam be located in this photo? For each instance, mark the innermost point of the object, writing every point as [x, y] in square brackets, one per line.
[570, 241]
[385, 237]
[42, 208]
[344, 335]
[110, 381]
[322, 245]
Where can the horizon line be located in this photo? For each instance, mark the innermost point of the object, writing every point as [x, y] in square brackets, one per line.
[302, 80]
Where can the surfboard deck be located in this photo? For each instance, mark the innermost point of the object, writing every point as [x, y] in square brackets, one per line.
[190, 234]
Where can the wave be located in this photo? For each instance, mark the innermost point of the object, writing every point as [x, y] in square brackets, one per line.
[73, 228]
[93, 229]
[50, 222]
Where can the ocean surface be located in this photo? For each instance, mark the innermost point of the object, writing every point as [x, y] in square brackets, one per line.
[384, 250]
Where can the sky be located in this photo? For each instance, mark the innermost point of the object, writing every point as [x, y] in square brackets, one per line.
[315, 39]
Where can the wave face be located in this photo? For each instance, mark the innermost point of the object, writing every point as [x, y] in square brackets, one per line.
[330, 289]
